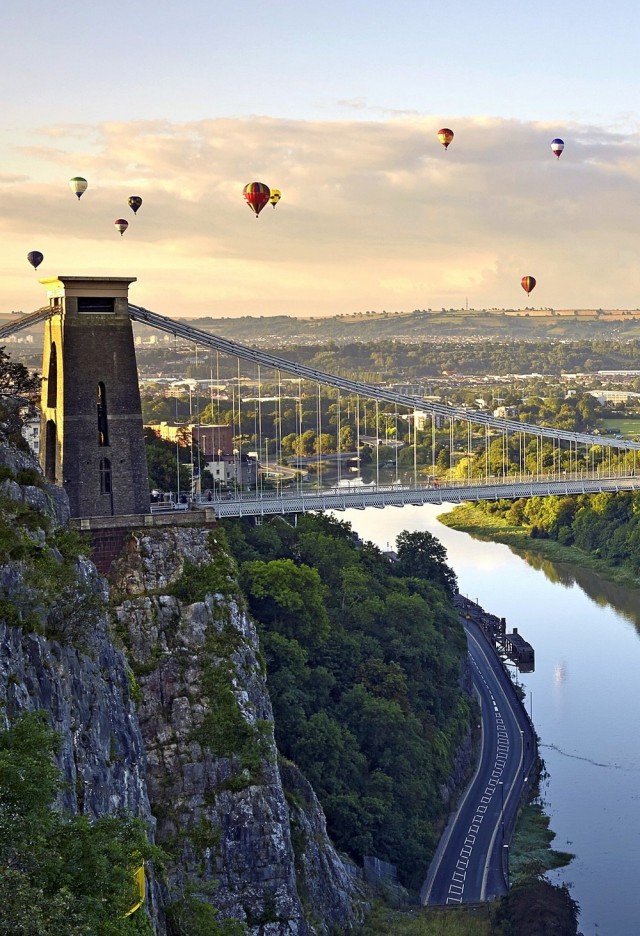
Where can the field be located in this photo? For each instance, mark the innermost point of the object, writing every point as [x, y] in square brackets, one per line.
[627, 426]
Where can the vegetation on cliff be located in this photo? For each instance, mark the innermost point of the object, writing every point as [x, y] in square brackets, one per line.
[61, 873]
[365, 662]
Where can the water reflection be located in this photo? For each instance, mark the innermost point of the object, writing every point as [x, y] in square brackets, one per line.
[559, 673]
[606, 594]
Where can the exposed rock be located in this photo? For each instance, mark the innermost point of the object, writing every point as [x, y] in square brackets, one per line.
[325, 883]
[213, 775]
[79, 678]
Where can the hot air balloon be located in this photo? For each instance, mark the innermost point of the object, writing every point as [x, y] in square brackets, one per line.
[557, 146]
[257, 195]
[78, 185]
[528, 283]
[445, 136]
[135, 202]
[121, 225]
[35, 258]
[276, 195]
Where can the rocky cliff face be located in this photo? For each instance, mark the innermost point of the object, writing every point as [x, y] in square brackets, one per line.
[56, 653]
[213, 777]
[171, 720]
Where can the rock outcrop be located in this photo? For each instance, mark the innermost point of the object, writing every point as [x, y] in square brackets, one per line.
[212, 766]
[57, 653]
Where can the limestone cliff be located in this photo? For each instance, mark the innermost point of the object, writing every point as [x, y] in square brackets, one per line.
[56, 651]
[169, 719]
[213, 776]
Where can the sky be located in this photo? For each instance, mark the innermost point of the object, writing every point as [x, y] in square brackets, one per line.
[337, 105]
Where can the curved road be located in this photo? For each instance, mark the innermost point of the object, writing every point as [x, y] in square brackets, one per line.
[471, 861]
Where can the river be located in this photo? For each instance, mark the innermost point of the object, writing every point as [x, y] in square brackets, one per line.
[584, 697]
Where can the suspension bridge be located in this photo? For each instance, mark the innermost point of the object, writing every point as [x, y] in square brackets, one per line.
[486, 457]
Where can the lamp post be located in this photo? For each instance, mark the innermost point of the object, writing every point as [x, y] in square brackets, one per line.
[501, 785]
[235, 471]
[522, 748]
[505, 852]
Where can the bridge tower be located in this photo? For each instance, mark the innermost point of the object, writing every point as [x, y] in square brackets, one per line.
[91, 438]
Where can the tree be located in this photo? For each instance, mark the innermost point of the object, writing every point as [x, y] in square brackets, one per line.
[16, 383]
[61, 873]
[421, 555]
[162, 465]
[287, 594]
[18, 391]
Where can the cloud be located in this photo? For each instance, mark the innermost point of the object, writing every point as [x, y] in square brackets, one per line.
[374, 213]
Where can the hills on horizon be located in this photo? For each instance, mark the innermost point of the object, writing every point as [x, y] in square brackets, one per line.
[421, 325]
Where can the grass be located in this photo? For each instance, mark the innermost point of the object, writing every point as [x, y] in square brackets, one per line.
[470, 920]
[531, 854]
[628, 426]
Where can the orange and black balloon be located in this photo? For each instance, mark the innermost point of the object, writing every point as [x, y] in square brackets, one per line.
[528, 283]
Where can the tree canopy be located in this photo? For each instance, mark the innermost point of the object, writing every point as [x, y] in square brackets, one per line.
[364, 658]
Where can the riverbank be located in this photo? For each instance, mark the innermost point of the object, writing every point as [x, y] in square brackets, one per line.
[471, 519]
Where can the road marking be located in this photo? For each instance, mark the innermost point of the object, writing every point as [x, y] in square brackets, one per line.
[500, 760]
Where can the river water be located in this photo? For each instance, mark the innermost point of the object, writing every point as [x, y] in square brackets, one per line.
[584, 697]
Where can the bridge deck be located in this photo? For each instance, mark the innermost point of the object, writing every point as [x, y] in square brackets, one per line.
[250, 504]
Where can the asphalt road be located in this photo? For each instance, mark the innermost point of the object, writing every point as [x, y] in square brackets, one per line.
[471, 861]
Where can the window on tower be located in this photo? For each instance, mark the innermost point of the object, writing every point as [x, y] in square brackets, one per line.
[105, 476]
[52, 377]
[103, 425]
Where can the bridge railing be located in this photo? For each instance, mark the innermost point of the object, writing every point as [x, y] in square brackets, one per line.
[183, 501]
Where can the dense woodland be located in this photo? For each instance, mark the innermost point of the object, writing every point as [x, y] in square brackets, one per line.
[606, 526]
[365, 663]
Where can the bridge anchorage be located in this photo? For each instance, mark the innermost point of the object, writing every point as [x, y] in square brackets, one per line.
[269, 436]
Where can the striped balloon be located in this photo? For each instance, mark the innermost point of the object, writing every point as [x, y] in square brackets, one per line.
[257, 195]
[528, 283]
[79, 185]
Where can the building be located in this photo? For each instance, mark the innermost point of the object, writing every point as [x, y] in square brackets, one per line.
[31, 432]
[506, 412]
[234, 470]
[213, 439]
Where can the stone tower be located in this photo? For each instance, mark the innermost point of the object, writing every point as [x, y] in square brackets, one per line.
[91, 439]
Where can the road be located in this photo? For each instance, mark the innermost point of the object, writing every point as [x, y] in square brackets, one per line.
[471, 862]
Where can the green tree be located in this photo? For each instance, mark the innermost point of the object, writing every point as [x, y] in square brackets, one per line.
[17, 384]
[61, 873]
[162, 464]
[287, 594]
[421, 555]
